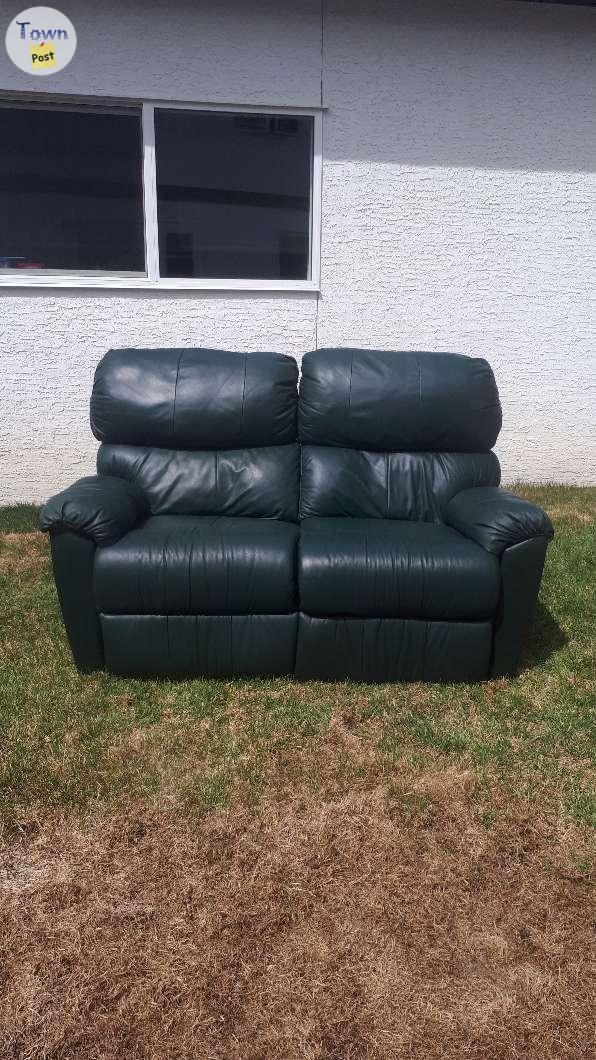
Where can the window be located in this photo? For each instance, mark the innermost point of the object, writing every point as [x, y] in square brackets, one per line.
[233, 195]
[71, 190]
[158, 196]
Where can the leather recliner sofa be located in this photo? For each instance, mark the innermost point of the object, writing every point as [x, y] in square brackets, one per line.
[352, 529]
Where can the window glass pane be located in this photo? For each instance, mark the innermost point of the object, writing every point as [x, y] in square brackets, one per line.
[71, 190]
[233, 194]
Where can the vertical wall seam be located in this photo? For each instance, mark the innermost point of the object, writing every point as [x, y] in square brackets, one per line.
[320, 218]
[322, 44]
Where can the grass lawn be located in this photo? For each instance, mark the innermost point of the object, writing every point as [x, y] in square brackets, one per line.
[267, 870]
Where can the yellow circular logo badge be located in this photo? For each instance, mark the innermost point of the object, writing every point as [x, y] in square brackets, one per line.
[41, 41]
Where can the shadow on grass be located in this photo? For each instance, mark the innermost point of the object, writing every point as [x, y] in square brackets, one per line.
[544, 638]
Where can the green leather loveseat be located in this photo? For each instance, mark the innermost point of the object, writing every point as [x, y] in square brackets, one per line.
[351, 527]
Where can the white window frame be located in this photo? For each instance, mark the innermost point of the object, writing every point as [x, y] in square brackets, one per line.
[152, 281]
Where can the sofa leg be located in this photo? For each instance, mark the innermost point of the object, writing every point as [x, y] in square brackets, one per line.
[72, 559]
[521, 572]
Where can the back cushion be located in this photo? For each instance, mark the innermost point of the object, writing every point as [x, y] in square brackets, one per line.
[261, 482]
[394, 435]
[201, 431]
[368, 485]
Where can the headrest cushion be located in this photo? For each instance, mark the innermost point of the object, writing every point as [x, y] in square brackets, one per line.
[194, 398]
[380, 400]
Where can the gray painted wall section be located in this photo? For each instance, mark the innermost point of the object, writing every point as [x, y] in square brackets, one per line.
[459, 197]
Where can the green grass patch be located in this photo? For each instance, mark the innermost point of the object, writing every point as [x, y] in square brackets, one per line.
[580, 803]
[19, 518]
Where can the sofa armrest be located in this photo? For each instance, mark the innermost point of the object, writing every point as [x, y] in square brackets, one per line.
[100, 507]
[496, 519]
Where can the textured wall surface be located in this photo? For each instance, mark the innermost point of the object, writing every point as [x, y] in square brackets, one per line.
[49, 347]
[204, 51]
[459, 198]
[459, 207]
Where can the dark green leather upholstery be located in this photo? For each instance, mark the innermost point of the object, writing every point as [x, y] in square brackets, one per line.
[200, 565]
[101, 508]
[497, 519]
[383, 568]
[194, 399]
[392, 649]
[521, 572]
[73, 556]
[406, 402]
[356, 530]
[370, 485]
[201, 432]
[200, 645]
[260, 482]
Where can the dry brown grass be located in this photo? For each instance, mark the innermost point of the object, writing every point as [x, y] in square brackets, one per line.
[23, 556]
[373, 926]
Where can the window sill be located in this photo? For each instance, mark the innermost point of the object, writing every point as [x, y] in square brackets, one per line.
[141, 283]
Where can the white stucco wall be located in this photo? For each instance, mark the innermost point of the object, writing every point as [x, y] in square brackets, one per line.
[460, 205]
[459, 200]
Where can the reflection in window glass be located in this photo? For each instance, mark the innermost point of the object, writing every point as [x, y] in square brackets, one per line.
[71, 195]
[233, 194]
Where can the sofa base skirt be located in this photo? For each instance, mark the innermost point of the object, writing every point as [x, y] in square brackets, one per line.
[199, 645]
[333, 649]
[392, 649]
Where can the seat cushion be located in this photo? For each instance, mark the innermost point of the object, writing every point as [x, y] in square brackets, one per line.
[389, 568]
[199, 565]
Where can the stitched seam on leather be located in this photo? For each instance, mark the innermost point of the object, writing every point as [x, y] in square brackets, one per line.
[229, 573]
[243, 391]
[216, 482]
[165, 574]
[387, 455]
[439, 516]
[365, 554]
[189, 574]
[136, 475]
[299, 513]
[419, 383]
[175, 391]
[350, 388]
[297, 558]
